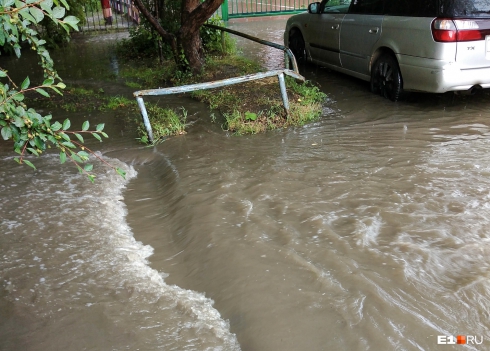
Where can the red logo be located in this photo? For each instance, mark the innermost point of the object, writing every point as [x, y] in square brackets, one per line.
[461, 339]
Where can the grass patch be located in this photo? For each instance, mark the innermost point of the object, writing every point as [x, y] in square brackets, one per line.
[84, 99]
[165, 122]
[256, 107]
[247, 108]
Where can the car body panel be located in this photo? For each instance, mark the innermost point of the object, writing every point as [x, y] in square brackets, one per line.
[363, 31]
[323, 37]
[475, 54]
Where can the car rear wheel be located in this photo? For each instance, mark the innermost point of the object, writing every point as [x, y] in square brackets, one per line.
[297, 45]
[386, 79]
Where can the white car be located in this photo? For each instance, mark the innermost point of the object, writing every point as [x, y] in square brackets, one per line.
[398, 45]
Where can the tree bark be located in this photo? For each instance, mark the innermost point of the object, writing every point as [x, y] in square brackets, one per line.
[193, 15]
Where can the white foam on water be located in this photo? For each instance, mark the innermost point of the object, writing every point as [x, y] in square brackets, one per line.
[67, 248]
[367, 230]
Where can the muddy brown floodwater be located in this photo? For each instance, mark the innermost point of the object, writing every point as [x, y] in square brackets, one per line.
[366, 230]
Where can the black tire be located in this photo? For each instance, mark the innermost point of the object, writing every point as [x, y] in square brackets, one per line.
[297, 45]
[386, 79]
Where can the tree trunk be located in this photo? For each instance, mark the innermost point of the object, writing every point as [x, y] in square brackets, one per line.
[192, 47]
[193, 15]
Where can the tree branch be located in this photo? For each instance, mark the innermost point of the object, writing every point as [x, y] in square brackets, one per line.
[169, 38]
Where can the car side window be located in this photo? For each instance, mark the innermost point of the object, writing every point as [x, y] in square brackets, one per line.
[367, 7]
[335, 6]
[412, 8]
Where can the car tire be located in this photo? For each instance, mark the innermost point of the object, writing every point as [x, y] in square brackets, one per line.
[297, 45]
[386, 79]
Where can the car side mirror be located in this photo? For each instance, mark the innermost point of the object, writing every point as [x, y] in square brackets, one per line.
[314, 7]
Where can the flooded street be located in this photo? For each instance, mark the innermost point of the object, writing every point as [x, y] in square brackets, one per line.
[366, 230]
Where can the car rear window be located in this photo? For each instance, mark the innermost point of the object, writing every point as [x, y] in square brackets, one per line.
[465, 8]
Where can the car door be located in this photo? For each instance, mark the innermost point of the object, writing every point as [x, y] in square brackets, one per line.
[361, 29]
[324, 31]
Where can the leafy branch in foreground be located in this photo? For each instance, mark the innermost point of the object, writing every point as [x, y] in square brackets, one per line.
[31, 132]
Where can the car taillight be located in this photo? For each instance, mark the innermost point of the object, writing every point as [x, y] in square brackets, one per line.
[449, 30]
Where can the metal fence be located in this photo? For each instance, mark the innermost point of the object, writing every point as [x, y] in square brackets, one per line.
[124, 15]
[253, 8]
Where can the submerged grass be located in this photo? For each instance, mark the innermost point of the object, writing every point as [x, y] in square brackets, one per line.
[247, 108]
[256, 107]
[165, 122]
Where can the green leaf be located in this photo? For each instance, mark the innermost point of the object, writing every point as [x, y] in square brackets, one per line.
[6, 133]
[48, 81]
[17, 50]
[85, 125]
[37, 13]
[66, 124]
[64, 26]
[71, 21]
[75, 157]
[57, 91]
[58, 12]
[15, 132]
[2, 73]
[250, 116]
[97, 136]
[84, 155]
[27, 16]
[62, 157]
[33, 151]
[29, 164]
[7, 3]
[19, 122]
[68, 144]
[56, 126]
[79, 137]
[42, 92]
[39, 143]
[61, 85]
[47, 120]
[25, 83]
[100, 127]
[91, 177]
[64, 136]
[47, 5]
[65, 4]
[121, 172]
[18, 97]
[88, 167]
[104, 134]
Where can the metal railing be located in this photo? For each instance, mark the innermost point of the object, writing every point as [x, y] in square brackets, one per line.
[124, 15]
[225, 82]
[253, 8]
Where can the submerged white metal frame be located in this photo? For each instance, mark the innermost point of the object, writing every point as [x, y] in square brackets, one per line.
[230, 81]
